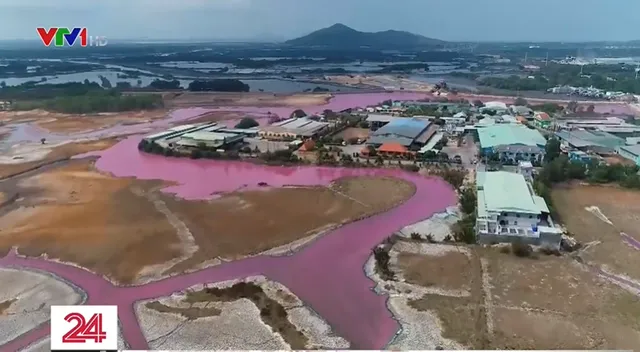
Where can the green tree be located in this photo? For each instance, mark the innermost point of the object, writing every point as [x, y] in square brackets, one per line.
[247, 122]
[552, 149]
[572, 106]
[478, 103]
[3, 84]
[520, 101]
[298, 113]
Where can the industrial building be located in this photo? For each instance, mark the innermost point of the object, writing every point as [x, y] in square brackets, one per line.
[377, 120]
[512, 142]
[294, 128]
[595, 141]
[631, 152]
[410, 133]
[510, 211]
[211, 135]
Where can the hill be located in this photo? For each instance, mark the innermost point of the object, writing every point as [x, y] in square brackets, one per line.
[343, 36]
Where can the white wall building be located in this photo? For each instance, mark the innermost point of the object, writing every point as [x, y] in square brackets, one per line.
[510, 211]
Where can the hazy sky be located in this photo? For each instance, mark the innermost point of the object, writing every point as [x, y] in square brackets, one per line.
[467, 20]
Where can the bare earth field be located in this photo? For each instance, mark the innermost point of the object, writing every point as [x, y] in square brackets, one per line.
[554, 303]
[484, 299]
[226, 227]
[46, 154]
[96, 221]
[119, 226]
[353, 132]
[71, 123]
[620, 206]
[380, 82]
[204, 99]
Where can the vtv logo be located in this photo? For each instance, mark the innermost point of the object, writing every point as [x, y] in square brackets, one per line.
[62, 36]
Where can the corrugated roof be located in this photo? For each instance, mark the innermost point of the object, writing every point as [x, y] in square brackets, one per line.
[380, 118]
[404, 127]
[507, 192]
[392, 148]
[633, 149]
[583, 138]
[505, 134]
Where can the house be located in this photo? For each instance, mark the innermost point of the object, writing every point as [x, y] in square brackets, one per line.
[631, 152]
[394, 150]
[512, 142]
[508, 210]
[542, 119]
[307, 146]
[521, 110]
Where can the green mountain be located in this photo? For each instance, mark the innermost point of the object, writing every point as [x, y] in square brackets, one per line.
[341, 36]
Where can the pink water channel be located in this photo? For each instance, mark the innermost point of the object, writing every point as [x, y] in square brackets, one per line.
[328, 274]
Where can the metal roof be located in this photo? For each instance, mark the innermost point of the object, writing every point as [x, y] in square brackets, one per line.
[508, 134]
[380, 118]
[403, 127]
[508, 192]
[633, 149]
[208, 136]
[583, 138]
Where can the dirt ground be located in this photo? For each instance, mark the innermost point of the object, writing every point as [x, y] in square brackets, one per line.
[5, 305]
[554, 303]
[451, 271]
[111, 226]
[621, 206]
[463, 318]
[228, 227]
[545, 303]
[380, 81]
[61, 152]
[81, 216]
[354, 132]
[204, 99]
[70, 123]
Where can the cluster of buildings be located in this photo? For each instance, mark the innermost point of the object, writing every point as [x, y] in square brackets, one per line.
[596, 137]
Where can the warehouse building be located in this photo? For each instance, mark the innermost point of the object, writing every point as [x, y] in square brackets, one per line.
[512, 142]
[631, 152]
[508, 210]
[595, 141]
[409, 133]
[295, 128]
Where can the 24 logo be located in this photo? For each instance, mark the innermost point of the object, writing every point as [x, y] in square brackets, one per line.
[85, 328]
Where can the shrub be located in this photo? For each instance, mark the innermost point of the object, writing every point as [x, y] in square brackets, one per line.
[431, 239]
[448, 238]
[196, 154]
[382, 258]
[505, 250]
[522, 250]
[415, 236]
